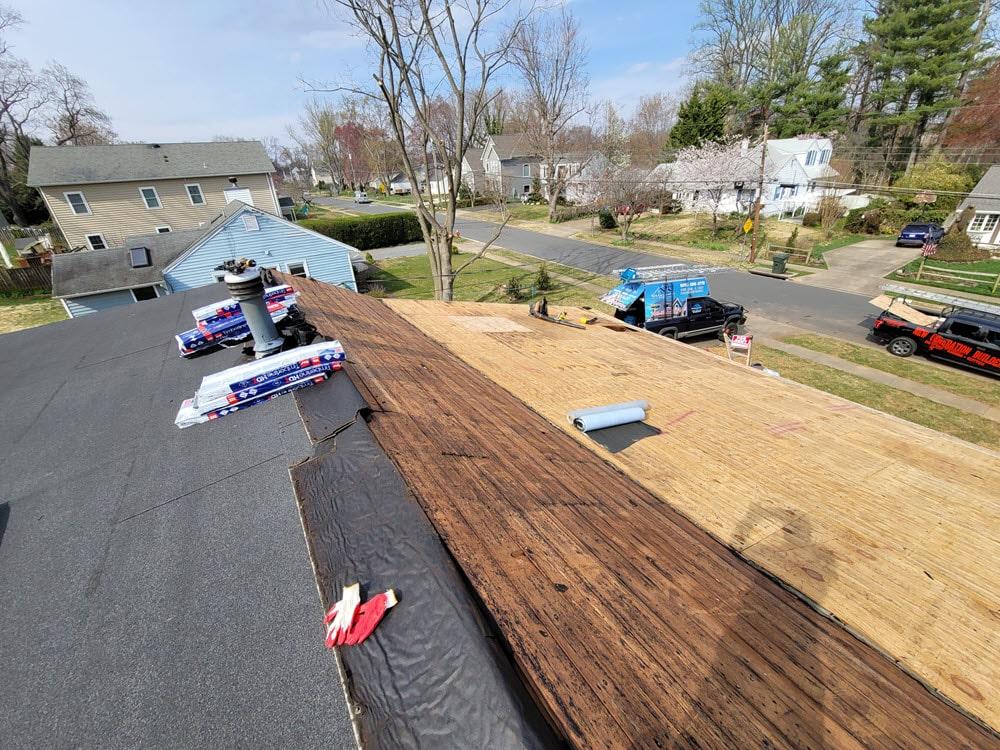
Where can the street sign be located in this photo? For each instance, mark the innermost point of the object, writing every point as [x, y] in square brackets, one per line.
[747, 226]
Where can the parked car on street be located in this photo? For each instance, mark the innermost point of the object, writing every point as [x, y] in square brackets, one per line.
[916, 235]
[968, 338]
[360, 196]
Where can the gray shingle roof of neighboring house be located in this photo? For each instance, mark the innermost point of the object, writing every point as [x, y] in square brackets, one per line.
[474, 157]
[93, 271]
[82, 165]
[988, 185]
[513, 146]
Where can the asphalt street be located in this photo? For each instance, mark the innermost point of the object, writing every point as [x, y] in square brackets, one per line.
[822, 310]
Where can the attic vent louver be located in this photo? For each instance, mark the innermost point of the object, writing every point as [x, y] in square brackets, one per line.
[139, 257]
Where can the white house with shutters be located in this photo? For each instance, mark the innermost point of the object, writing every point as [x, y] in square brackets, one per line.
[797, 174]
[984, 229]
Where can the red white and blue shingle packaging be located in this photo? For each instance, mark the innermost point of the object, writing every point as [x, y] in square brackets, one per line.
[223, 321]
[243, 386]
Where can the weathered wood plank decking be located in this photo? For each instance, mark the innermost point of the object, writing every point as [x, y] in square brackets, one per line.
[891, 526]
[633, 627]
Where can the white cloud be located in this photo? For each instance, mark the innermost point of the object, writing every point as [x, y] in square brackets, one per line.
[625, 87]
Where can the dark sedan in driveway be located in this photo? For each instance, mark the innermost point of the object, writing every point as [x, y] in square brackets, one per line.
[916, 234]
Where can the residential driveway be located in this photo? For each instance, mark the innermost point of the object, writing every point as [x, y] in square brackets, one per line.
[860, 268]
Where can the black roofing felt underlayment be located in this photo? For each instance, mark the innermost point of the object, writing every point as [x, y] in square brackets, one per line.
[81, 165]
[156, 586]
[154, 582]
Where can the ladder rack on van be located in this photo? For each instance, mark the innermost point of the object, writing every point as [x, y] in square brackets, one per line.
[669, 271]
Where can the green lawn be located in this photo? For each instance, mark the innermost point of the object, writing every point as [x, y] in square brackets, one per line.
[410, 278]
[894, 401]
[912, 368]
[17, 313]
[979, 286]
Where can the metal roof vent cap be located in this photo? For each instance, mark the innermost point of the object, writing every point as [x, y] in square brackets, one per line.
[247, 287]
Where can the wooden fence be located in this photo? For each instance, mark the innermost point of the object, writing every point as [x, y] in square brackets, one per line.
[970, 278]
[797, 253]
[33, 278]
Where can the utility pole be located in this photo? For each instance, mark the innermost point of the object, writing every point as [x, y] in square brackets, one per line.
[760, 193]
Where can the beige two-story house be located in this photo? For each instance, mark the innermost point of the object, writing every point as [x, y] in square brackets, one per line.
[99, 195]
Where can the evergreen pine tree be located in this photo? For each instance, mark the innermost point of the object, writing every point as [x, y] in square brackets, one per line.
[703, 116]
[816, 105]
[918, 51]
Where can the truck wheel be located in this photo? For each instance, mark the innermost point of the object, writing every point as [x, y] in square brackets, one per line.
[902, 346]
[670, 333]
[731, 327]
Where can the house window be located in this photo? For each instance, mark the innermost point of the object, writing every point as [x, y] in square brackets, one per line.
[163, 230]
[299, 269]
[527, 189]
[150, 197]
[810, 158]
[526, 170]
[984, 223]
[138, 257]
[143, 293]
[195, 195]
[77, 202]
[824, 156]
[543, 171]
[250, 223]
[96, 241]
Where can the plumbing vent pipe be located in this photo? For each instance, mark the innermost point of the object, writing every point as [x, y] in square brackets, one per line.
[247, 288]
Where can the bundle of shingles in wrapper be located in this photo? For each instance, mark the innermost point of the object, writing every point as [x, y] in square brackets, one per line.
[247, 385]
[223, 322]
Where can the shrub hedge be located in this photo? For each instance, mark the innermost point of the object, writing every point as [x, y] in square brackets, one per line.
[369, 232]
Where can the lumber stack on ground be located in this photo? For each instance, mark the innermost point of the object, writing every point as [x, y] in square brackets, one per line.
[631, 625]
[887, 524]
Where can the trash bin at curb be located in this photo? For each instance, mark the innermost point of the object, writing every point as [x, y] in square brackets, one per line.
[779, 261]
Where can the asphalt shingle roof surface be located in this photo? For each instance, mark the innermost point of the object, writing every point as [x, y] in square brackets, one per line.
[89, 271]
[155, 583]
[124, 162]
[988, 185]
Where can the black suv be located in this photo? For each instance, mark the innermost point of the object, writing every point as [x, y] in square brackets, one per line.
[704, 315]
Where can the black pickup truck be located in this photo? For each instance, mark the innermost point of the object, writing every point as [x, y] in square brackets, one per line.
[963, 337]
[704, 315]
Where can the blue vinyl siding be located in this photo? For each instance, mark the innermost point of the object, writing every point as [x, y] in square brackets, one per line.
[92, 303]
[276, 244]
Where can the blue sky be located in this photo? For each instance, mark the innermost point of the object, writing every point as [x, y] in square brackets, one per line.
[184, 70]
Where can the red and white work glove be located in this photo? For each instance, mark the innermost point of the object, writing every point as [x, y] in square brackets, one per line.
[348, 624]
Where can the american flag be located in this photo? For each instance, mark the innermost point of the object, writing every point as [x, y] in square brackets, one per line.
[930, 246]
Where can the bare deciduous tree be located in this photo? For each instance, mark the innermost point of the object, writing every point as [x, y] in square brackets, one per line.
[650, 128]
[550, 53]
[426, 49]
[630, 192]
[747, 41]
[316, 134]
[74, 117]
[22, 100]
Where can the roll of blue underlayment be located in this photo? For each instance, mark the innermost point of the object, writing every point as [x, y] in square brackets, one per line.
[599, 417]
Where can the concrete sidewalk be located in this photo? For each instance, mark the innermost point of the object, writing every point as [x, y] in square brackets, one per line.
[770, 333]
